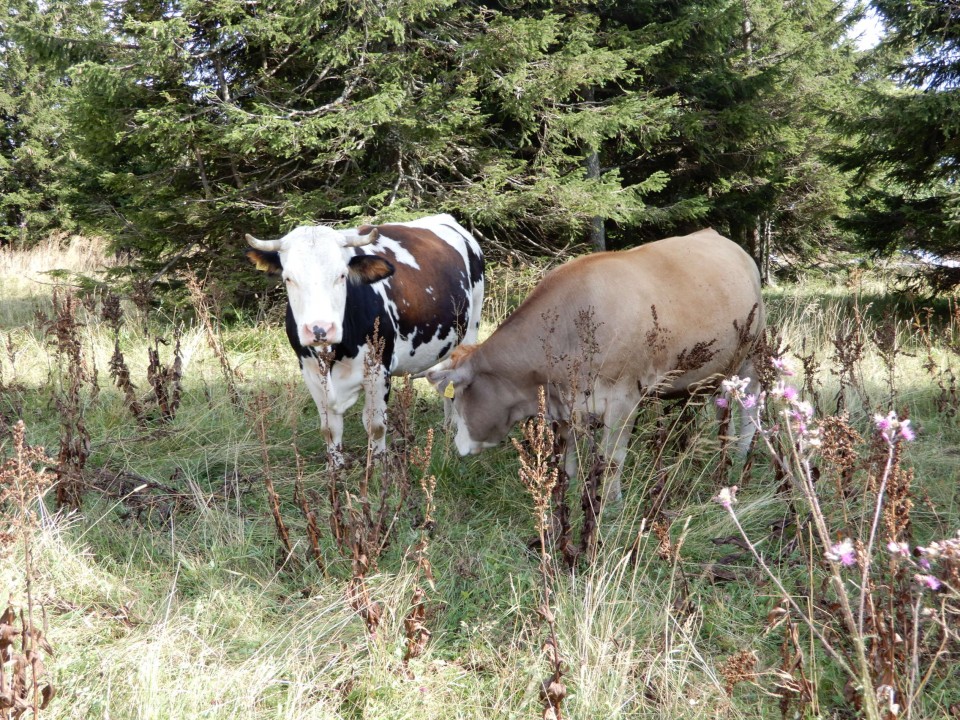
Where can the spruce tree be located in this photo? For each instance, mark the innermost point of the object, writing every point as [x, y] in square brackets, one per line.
[907, 125]
[203, 121]
[754, 82]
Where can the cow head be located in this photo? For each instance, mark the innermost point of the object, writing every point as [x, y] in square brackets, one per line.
[484, 407]
[316, 266]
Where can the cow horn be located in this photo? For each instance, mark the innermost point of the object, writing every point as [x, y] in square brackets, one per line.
[265, 245]
[361, 240]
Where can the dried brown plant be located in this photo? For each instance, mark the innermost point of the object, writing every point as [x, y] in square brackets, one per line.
[203, 306]
[166, 381]
[415, 623]
[261, 409]
[25, 685]
[540, 478]
[739, 667]
[75, 376]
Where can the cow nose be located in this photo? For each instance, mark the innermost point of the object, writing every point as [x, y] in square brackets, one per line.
[316, 333]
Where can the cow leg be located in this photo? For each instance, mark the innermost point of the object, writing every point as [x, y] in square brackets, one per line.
[749, 417]
[571, 458]
[331, 420]
[376, 393]
[617, 424]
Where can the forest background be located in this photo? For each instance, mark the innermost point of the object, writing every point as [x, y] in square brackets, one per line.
[188, 552]
[173, 127]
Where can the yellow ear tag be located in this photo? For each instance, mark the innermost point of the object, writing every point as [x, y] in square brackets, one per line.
[448, 391]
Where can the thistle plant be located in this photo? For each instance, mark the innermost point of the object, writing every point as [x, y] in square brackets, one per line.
[880, 611]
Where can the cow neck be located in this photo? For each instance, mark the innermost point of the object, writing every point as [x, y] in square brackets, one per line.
[506, 354]
[364, 305]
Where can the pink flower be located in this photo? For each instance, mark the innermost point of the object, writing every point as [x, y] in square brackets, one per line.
[749, 401]
[789, 394]
[843, 552]
[884, 423]
[928, 581]
[906, 432]
[727, 497]
[722, 402]
[898, 548]
[783, 366]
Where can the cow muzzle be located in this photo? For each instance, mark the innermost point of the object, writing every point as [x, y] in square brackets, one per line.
[319, 333]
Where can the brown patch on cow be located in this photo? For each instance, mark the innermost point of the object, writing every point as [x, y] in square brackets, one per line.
[366, 229]
[460, 354]
[268, 262]
[431, 296]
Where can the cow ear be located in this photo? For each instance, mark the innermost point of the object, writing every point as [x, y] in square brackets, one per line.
[368, 269]
[447, 381]
[268, 262]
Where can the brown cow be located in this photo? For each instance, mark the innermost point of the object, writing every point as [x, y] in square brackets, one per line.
[665, 319]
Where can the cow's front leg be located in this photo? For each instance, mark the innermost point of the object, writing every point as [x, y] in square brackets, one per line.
[376, 395]
[317, 380]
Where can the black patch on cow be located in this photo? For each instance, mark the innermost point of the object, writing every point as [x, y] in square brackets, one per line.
[369, 269]
[443, 352]
[363, 307]
[268, 262]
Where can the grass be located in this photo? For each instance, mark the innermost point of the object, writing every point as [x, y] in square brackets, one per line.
[182, 604]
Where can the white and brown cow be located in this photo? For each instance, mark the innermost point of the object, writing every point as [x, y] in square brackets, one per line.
[423, 281]
[666, 318]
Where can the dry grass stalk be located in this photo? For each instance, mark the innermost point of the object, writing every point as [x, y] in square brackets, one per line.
[26, 686]
[261, 410]
[202, 307]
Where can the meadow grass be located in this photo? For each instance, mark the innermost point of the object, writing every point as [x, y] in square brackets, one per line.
[176, 600]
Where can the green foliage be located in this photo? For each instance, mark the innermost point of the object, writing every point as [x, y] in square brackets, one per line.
[907, 153]
[189, 123]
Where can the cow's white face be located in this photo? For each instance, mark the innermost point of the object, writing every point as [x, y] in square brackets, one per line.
[315, 270]
[316, 265]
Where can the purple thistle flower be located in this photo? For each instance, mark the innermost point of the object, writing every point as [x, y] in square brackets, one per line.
[782, 365]
[884, 422]
[898, 548]
[749, 401]
[843, 552]
[906, 432]
[727, 497]
[722, 402]
[790, 394]
[928, 581]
